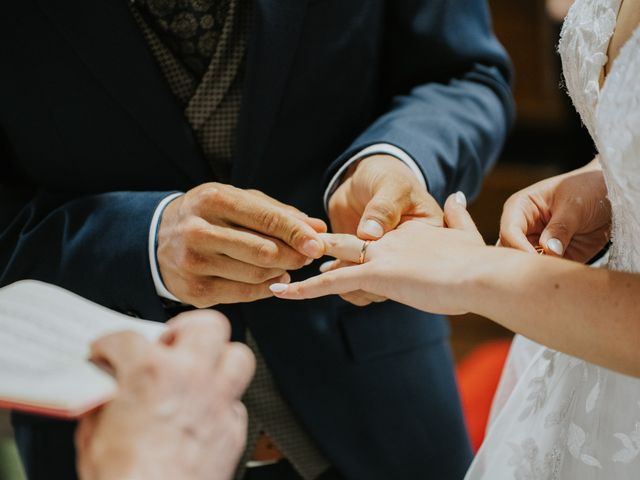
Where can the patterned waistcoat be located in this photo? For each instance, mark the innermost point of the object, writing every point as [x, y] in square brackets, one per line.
[200, 46]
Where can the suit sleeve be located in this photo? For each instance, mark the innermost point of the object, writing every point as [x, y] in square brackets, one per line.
[94, 245]
[447, 80]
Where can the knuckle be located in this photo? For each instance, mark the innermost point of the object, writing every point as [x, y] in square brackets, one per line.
[192, 261]
[384, 211]
[578, 201]
[243, 360]
[325, 281]
[220, 322]
[333, 207]
[208, 193]
[196, 232]
[247, 291]
[298, 262]
[203, 302]
[259, 275]
[149, 368]
[256, 292]
[301, 291]
[238, 428]
[267, 253]
[504, 238]
[248, 360]
[513, 203]
[186, 362]
[198, 289]
[243, 416]
[295, 236]
[292, 259]
[209, 322]
[355, 299]
[558, 228]
[214, 195]
[190, 233]
[513, 198]
[269, 220]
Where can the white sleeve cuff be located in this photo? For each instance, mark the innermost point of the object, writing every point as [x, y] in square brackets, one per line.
[161, 290]
[377, 149]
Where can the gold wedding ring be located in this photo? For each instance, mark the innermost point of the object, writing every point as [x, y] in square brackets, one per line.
[540, 250]
[363, 251]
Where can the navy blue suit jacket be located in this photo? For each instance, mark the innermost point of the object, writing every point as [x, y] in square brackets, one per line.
[91, 139]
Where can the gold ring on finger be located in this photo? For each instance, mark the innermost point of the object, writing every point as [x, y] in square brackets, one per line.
[363, 251]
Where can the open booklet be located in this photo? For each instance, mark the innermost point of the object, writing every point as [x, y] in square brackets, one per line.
[45, 338]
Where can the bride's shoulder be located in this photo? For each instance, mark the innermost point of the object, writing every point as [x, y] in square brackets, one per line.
[589, 24]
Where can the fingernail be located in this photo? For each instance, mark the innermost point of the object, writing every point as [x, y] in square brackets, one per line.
[326, 266]
[461, 199]
[373, 229]
[308, 262]
[279, 287]
[555, 246]
[312, 248]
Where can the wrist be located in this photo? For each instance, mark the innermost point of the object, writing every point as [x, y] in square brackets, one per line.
[380, 149]
[481, 280]
[395, 163]
[158, 223]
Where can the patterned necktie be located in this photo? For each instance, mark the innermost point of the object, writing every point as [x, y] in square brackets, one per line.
[191, 29]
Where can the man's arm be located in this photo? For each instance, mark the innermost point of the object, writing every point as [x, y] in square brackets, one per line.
[448, 78]
[94, 245]
[97, 244]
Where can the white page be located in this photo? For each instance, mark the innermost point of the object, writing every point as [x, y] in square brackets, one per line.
[45, 336]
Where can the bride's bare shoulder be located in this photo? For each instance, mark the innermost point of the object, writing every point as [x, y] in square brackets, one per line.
[628, 21]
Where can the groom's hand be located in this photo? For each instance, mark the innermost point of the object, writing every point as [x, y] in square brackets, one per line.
[220, 244]
[378, 194]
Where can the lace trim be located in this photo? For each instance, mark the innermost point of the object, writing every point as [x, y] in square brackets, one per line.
[618, 124]
[584, 41]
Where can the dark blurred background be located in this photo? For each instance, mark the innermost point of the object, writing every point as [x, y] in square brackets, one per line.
[548, 139]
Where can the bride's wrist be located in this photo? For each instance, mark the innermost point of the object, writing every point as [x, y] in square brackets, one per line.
[471, 279]
[484, 279]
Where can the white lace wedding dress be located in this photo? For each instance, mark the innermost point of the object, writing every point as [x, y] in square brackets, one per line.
[555, 416]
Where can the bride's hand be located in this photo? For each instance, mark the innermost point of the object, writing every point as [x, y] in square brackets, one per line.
[418, 264]
[568, 215]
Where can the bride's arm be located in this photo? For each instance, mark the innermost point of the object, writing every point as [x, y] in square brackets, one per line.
[586, 312]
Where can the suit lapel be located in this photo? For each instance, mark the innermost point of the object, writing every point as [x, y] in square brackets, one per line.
[272, 46]
[105, 36]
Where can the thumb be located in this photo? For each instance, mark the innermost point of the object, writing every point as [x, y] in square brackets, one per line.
[557, 235]
[383, 212]
[456, 215]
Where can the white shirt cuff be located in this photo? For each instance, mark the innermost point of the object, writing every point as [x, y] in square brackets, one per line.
[377, 149]
[161, 290]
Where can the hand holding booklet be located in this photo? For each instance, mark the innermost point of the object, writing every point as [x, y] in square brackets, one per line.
[45, 338]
